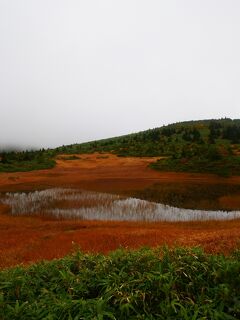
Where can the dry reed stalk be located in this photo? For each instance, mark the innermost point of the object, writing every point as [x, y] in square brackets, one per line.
[74, 204]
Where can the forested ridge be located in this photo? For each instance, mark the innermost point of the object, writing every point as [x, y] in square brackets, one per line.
[195, 146]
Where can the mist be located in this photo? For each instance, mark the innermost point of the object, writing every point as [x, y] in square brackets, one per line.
[74, 71]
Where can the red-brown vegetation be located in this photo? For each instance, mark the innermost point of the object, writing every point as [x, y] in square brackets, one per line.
[99, 173]
[28, 239]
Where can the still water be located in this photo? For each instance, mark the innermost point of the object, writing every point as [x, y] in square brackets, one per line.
[86, 205]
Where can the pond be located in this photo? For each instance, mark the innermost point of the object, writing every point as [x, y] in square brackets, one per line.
[63, 203]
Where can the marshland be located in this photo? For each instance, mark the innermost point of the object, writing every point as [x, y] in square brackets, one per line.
[119, 160]
[73, 204]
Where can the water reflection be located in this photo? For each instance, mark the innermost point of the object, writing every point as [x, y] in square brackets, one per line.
[68, 203]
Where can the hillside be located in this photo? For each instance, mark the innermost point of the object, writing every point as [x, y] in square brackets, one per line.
[166, 140]
[194, 146]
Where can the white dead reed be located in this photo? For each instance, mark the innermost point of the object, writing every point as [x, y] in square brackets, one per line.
[88, 205]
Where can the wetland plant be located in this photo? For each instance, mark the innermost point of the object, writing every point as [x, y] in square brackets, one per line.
[75, 204]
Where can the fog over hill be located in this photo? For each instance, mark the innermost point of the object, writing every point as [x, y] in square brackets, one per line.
[76, 71]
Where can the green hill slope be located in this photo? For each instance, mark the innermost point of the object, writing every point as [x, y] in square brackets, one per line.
[211, 146]
[166, 140]
[194, 146]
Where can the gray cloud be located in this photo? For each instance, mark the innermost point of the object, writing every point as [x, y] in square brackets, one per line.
[73, 71]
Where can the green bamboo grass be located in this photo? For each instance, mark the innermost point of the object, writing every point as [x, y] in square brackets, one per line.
[143, 284]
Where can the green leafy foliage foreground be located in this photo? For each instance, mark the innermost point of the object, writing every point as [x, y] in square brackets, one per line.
[143, 284]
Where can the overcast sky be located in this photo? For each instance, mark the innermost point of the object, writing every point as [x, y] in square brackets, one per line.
[79, 70]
